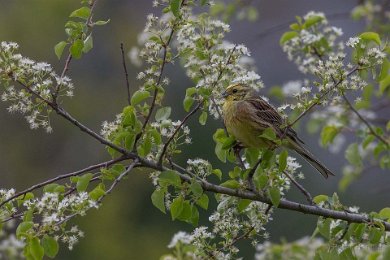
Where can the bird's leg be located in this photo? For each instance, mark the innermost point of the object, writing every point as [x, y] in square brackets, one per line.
[252, 186]
[237, 149]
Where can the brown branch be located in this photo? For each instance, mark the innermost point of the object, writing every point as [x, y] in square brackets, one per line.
[63, 176]
[62, 112]
[371, 130]
[126, 74]
[356, 68]
[193, 111]
[284, 204]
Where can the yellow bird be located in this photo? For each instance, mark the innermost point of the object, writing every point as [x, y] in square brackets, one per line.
[247, 115]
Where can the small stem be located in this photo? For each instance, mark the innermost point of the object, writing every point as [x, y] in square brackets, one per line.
[371, 130]
[126, 74]
[301, 188]
[193, 111]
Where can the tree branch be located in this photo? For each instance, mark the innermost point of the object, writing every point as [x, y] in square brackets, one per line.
[284, 204]
[63, 176]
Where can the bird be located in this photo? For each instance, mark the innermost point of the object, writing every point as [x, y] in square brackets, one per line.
[246, 116]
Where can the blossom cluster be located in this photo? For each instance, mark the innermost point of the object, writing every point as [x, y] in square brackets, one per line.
[56, 209]
[37, 84]
[200, 167]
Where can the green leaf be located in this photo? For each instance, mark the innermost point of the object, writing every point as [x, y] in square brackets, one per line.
[385, 213]
[23, 228]
[194, 215]
[375, 235]
[196, 188]
[312, 21]
[102, 22]
[203, 201]
[385, 68]
[267, 159]
[320, 198]
[139, 96]
[50, 246]
[324, 227]
[169, 177]
[252, 156]
[35, 248]
[235, 173]
[158, 199]
[269, 134]
[59, 49]
[88, 44]
[187, 103]
[353, 156]
[260, 178]
[228, 143]
[283, 160]
[163, 113]
[84, 12]
[243, 204]
[384, 84]
[218, 173]
[371, 36]
[328, 134]
[77, 49]
[232, 184]
[220, 152]
[203, 118]
[97, 193]
[274, 195]
[287, 36]
[177, 207]
[175, 7]
[83, 182]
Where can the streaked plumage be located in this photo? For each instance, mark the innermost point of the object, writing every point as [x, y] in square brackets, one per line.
[246, 115]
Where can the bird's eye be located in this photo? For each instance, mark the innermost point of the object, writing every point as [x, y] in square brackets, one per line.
[235, 90]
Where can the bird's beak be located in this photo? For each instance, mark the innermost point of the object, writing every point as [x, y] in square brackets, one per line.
[225, 94]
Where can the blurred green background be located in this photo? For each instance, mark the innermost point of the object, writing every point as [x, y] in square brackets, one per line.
[127, 226]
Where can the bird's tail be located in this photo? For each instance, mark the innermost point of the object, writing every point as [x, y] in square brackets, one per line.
[309, 157]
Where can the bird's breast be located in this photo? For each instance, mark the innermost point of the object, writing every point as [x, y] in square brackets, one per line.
[239, 125]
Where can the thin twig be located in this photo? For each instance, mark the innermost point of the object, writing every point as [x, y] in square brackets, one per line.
[126, 74]
[300, 187]
[115, 182]
[63, 176]
[372, 131]
[193, 111]
[242, 236]
[118, 179]
[251, 173]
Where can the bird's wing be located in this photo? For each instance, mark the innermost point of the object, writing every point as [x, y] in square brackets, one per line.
[265, 112]
[265, 115]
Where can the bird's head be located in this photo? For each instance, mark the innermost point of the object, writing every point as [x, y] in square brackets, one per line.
[237, 92]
